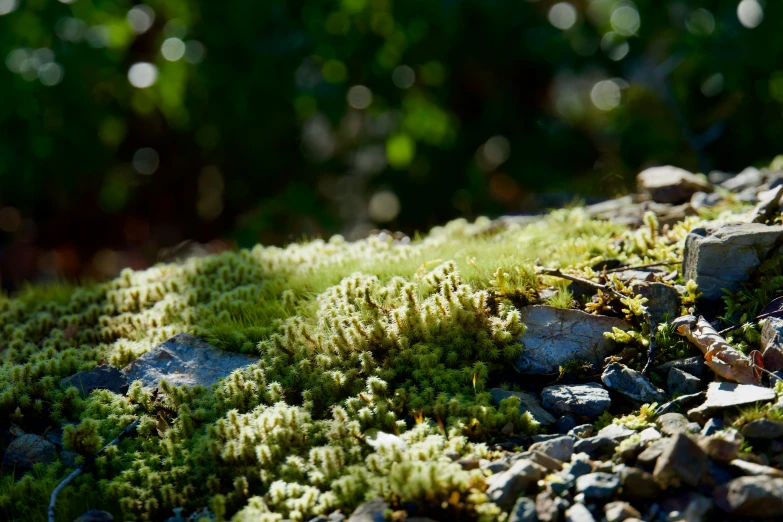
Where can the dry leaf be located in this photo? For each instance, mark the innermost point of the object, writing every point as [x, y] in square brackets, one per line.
[719, 355]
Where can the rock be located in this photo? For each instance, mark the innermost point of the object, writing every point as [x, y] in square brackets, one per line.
[546, 509]
[703, 199]
[720, 448]
[619, 511]
[597, 486]
[712, 426]
[663, 301]
[683, 383]
[504, 488]
[750, 177]
[763, 429]
[566, 423]
[604, 441]
[560, 448]
[584, 400]
[692, 365]
[578, 513]
[686, 507]
[68, 458]
[543, 460]
[744, 467]
[103, 377]
[524, 511]
[682, 461]
[185, 360]
[527, 403]
[649, 434]
[724, 256]
[580, 465]
[555, 336]
[653, 451]
[29, 449]
[724, 395]
[672, 423]
[581, 431]
[769, 202]
[669, 184]
[615, 432]
[371, 511]
[631, 384]
[95, 515]
[771, 337]
[639, 485]
[748, 497]
[681, 403]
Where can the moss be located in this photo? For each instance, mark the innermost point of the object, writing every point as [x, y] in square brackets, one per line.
[378, 334]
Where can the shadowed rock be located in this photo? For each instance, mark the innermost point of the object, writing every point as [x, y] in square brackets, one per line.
[27, 450]
[104, 377]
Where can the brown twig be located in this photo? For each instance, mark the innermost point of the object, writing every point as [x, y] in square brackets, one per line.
[556, 272]
[650, 265]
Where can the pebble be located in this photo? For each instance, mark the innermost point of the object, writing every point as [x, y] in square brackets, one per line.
[754, 496]
[683, 383]
[672, 423]
[763, 429]
[725, 395]
[560, 448]
[619, 511]
[598, 486]
[584, 400]
[523, 511]
[682, 461]
[631, 384]
[578, 513]
[504, 488]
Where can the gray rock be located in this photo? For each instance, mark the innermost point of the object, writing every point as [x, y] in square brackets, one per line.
[683, 383]
[743, 467]
[597, 486]
[543, 460]
[527, 403]
[672, 423]
[524, 511]
[703, 199]
[546, 509]
[584, 400]
[759, 496]
[371, 511]
[721, 448]
[712, 426]
[566, 423]
[692, 365]
[581, 431]
[556, 336]
[724, 395]
[769, 202]
[669, 184]
[663, 301]
[504, 488]
[771, 337]
[681, 403]
[686, 507]
[763, 429]
[580, 465]
[618, 511]
[595, 446]
[724, 256]
[649, 434]
[29, 449]
[185, 360]
[95, 515]
[681, 462]
[631, 384]
[616, 432]
[560, 448]
[578, 513]
[750, 177]
[104, 377]
[637, 484]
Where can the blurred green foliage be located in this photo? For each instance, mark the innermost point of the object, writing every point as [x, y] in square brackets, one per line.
[270, 120]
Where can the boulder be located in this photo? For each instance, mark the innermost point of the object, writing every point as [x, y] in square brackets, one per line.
[371, 511]
[185, 360]
[28, 449]
[527, 403]
[724, 256]
[631, 384]
[749, 497]
[669, 184]
[104, 377]
[683, 383]
[556, 336]
[584, 400]
[725, 395]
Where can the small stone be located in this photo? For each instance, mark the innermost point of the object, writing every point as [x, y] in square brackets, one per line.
[771, 337]
[580, 465]
[649, 434]
[546, 509]
[653, 451]
[663, 301]
[371, 511]
[619, 511]
[639, 485]
[582, 431]
[595, 446]
[597, 486]
[682, 461]
[669, 184]
[504, 488]
[722, 257]
[468, 464]
[756, 470]
[763, 429]
[725, 395]
[523, 511]
[683, 383]
[527, 403]
[686, 507]
[672, 423]
[749, 178]
[681, 403]
[692, 365]
[544, 460]
[578, 513]
[566, 423]
[27, 450]
[584, 400]
[185, 360]
[703, 199]
[712, 426]
[720, 448]
[560, 448]
[104, 377]
[755, 496]
[556, 336]
[95, 515]
[631, 384]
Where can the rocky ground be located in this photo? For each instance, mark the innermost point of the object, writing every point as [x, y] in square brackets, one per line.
[696, 434]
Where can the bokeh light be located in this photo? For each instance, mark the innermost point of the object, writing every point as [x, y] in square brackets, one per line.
[8, 6]
[146, 161]
[173, 49]
[384, 206]
[712, 85]
[140, 18]
[606, 94]
[562, 15]
[359, 97]
[625, 20]
[750, 13]
[404, 76]
[142, 75]
[700, 22]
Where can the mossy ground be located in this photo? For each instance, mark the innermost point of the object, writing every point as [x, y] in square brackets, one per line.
[378, 334]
